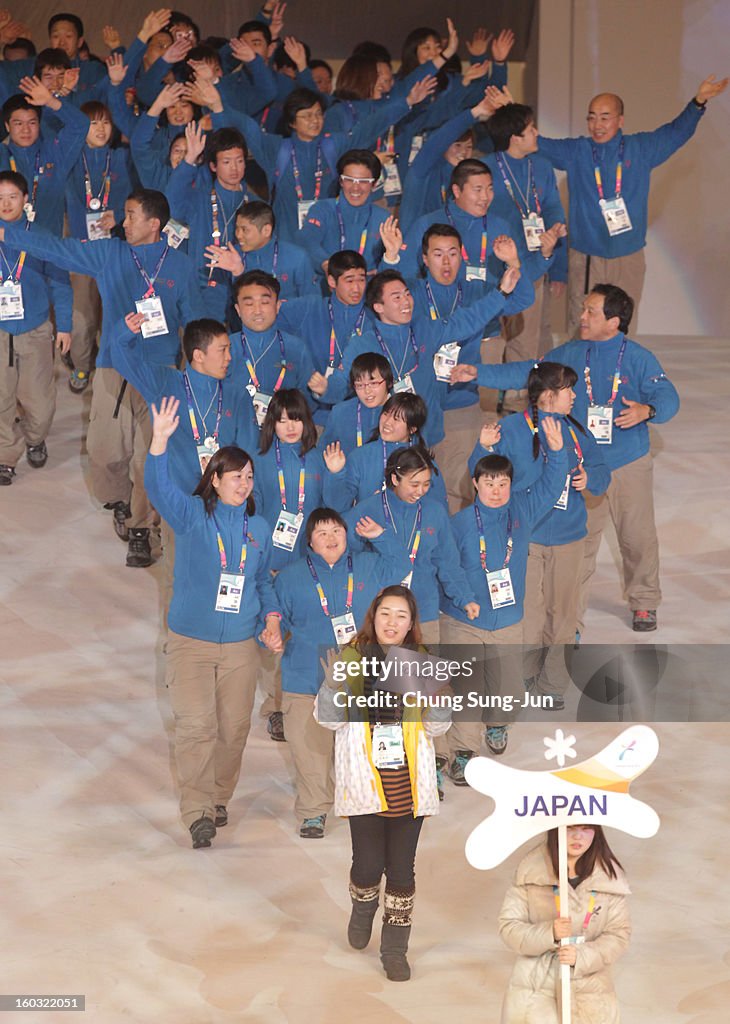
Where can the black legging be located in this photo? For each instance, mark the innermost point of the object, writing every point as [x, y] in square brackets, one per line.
[381, 844]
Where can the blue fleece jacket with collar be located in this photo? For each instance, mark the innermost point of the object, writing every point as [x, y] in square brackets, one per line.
[334, 224]
[42, 285]
[351, 423]
[364, 473]
[120, 174]
[268, 352]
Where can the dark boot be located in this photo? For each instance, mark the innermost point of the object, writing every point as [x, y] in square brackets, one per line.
[364, 907]
[397, 912]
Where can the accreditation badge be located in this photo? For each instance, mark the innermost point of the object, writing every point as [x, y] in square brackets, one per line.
[615, 215]
[176, 232]
[94, 230]
[11, 301]
[344, 628]
[600, 423]
[533, 226]
[230, 592]
[154, 322]
[445, 360]
[392, 185]
[260, 405]
[303, 208]
[388, 750]
[404, 383]
[286, 531]
[476, 273]
[499, 584]
[562, 501]
[206, 451]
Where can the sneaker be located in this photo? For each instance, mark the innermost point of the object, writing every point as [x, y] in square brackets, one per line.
[644, 621]
[78, 381]
[276, 726]
[139, 555]
[313, 828]
[496, 737]
[6, 475]
[458, 765]
[122, 512]
[203, 832]
[442, 765]
[37, 454]
[221, 815]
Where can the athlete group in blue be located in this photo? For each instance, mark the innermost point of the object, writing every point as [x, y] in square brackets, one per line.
[220, 193]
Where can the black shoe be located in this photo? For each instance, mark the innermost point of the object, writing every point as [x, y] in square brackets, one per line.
[139, 555]
[122, 512]
[37, 454]
[6, 475]
[276, 726]
[221, 815]
[203, 832]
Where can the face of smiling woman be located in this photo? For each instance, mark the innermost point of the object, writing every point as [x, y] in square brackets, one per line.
[392, 621]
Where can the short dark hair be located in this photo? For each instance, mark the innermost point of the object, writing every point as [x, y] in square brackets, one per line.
[257, 277]
[73, 19]
[226, 460]
[357, 78]
[255, 26]
[292, 402]
[178, 18]
[319, 516]
[493, 465]
[411, 409]
[154, 204]
[466, 169]
[258, 212]
[344, 260]
[222, 140]
[376, 285]
[369, 363]
[439, 231]
[15, 103]
[21, 43]
[203, 51]
[199, 334]
[376, 51]
[14, 178]
[409, 53]
[314, 64]
[360, 156]
[96, 109]
[51, 57]
[615, 303]
[281, 58]
[296, 101]
[509, 120]
[403, 461]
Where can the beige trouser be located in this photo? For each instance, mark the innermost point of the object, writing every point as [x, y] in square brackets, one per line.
[462, 428]
[497, 672]
[551, 603]
[629, 501]
[86, 320]
[212, 689]
[312, 748]
[28, 383]
[625, 272]
[431, 632]
[522, 334]
[118, 447]
[270, 682]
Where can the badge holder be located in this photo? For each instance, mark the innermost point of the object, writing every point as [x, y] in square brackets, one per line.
[600, 423]
[615, 215]
[230, 592]
[404, 384]
[176, 232]
[154, 323]
[445, 360]
[344, 628]
[303, 208]
[562, 501]
[11, 300]
[499, 584]
[260, 405]
[286, 531]
[388, 750]
[206, 451]
[392, 185]
[474, 273]
[94, 230]
[533, 226]
[408, 580]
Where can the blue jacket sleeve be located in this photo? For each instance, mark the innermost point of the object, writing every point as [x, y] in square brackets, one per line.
[333, 492]
[122, 114]
[369, 128]
[264, 582]
[150, 82]
[71, 137]
[437, 143]
[179, 190]
[61, 294]
[67, 253]
[560, 152]
[312, 234]
[467, 320]
[656, 389]
[658, 146]
[152, 172]
[543, 494]
[450, 574]
[127, 359]
[176, 508]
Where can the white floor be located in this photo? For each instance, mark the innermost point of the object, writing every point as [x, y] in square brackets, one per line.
[102, 894]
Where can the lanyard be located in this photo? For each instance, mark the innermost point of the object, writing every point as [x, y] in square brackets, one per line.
[214, 204]
[36, 175]
[359, 424]
[533, 431]
[363, 235]
[190, 395]
[274, 261]
[616, 375]
[482, 247]
[619, 171]
[483, 543]
[320, 591]
[150, 281]
[389, 143]
[282, 485]
[333, 336]
[591, 905]
[244, 545]
[415, 532]
[433, 308]
[576, 446]
[251, 366]
[386, 352]
[524, 196]
[93, 202]
[297, 175]
[17, 270]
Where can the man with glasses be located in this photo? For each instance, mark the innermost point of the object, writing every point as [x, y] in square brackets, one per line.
[608, 180]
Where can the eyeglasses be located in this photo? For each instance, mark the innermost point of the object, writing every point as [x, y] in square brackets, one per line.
[356, 181]
[368, 385]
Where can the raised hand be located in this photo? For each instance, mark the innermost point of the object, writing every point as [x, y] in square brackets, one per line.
[242, 51]
[164, 422]
[502, 45]
[368, 528]
[277, 20]
[116, 68]
[462, 373]
[392, 238]
[423, 88]
[168, 96]
[486, 105]
[489, 435]
[70, 80]
[111, 37]
[505, 249]
[549, 238]
[204, 72]
[134, 322]
[154, 23]
[203, 93]
[224, 258]
[509, 280]
[334, 457]
[479, 42]
[177, 51]
[38, 94]
[294, 49]
[196, 143]
[553, 433]
[10, 29]
[452, 43]
[498, 97]
[710, 88]
[475, 71]
[317, 383]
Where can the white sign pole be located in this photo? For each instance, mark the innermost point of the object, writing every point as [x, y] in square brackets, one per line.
[564, 912]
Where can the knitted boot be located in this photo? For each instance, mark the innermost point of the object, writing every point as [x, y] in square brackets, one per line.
[397, 911]
[364, 907]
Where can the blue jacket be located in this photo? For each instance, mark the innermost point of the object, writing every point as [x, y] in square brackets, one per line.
[429, 176]
[322, 234]
[41, 284]
[289, 264]
[264, 349]
[560, 525]
[121, 185]
[523, 512]
[311, 630]
[110, 262]
[364, 473]
[342, 424]
[150, 162]
[437, 561]
[642, 153]
[197, 561]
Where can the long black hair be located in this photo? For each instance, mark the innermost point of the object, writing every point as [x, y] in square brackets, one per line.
[292, 402]
[548, 377]
[599, 851]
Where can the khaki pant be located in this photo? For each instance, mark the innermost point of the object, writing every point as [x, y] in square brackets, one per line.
[551, 608]
[270, 682]
[431, 633]
[462, 428]
[29, 383]
[497, 672]
[86, 321]
[212, 689]
[629, 501]
[312, 747]
[118, 447]
[625, 272]
[522, 334]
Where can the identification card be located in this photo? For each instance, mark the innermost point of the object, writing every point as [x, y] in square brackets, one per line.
[11, 301]
[176, 232]
[615, 215]
[533, 226]
[154, 322]
[562, 501]
[501, 593]
[286, 531]
[206, 451]
[474, 273]
[388, 751]
[94, 230]
[445, 360]
[230, 592]
[344, 628]
[29, 212]
[303, 208]
[404, 384]
[260, 405]
[600, 423]
[328, 372]
[408, 580]
[392, 184]
[416, 147]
